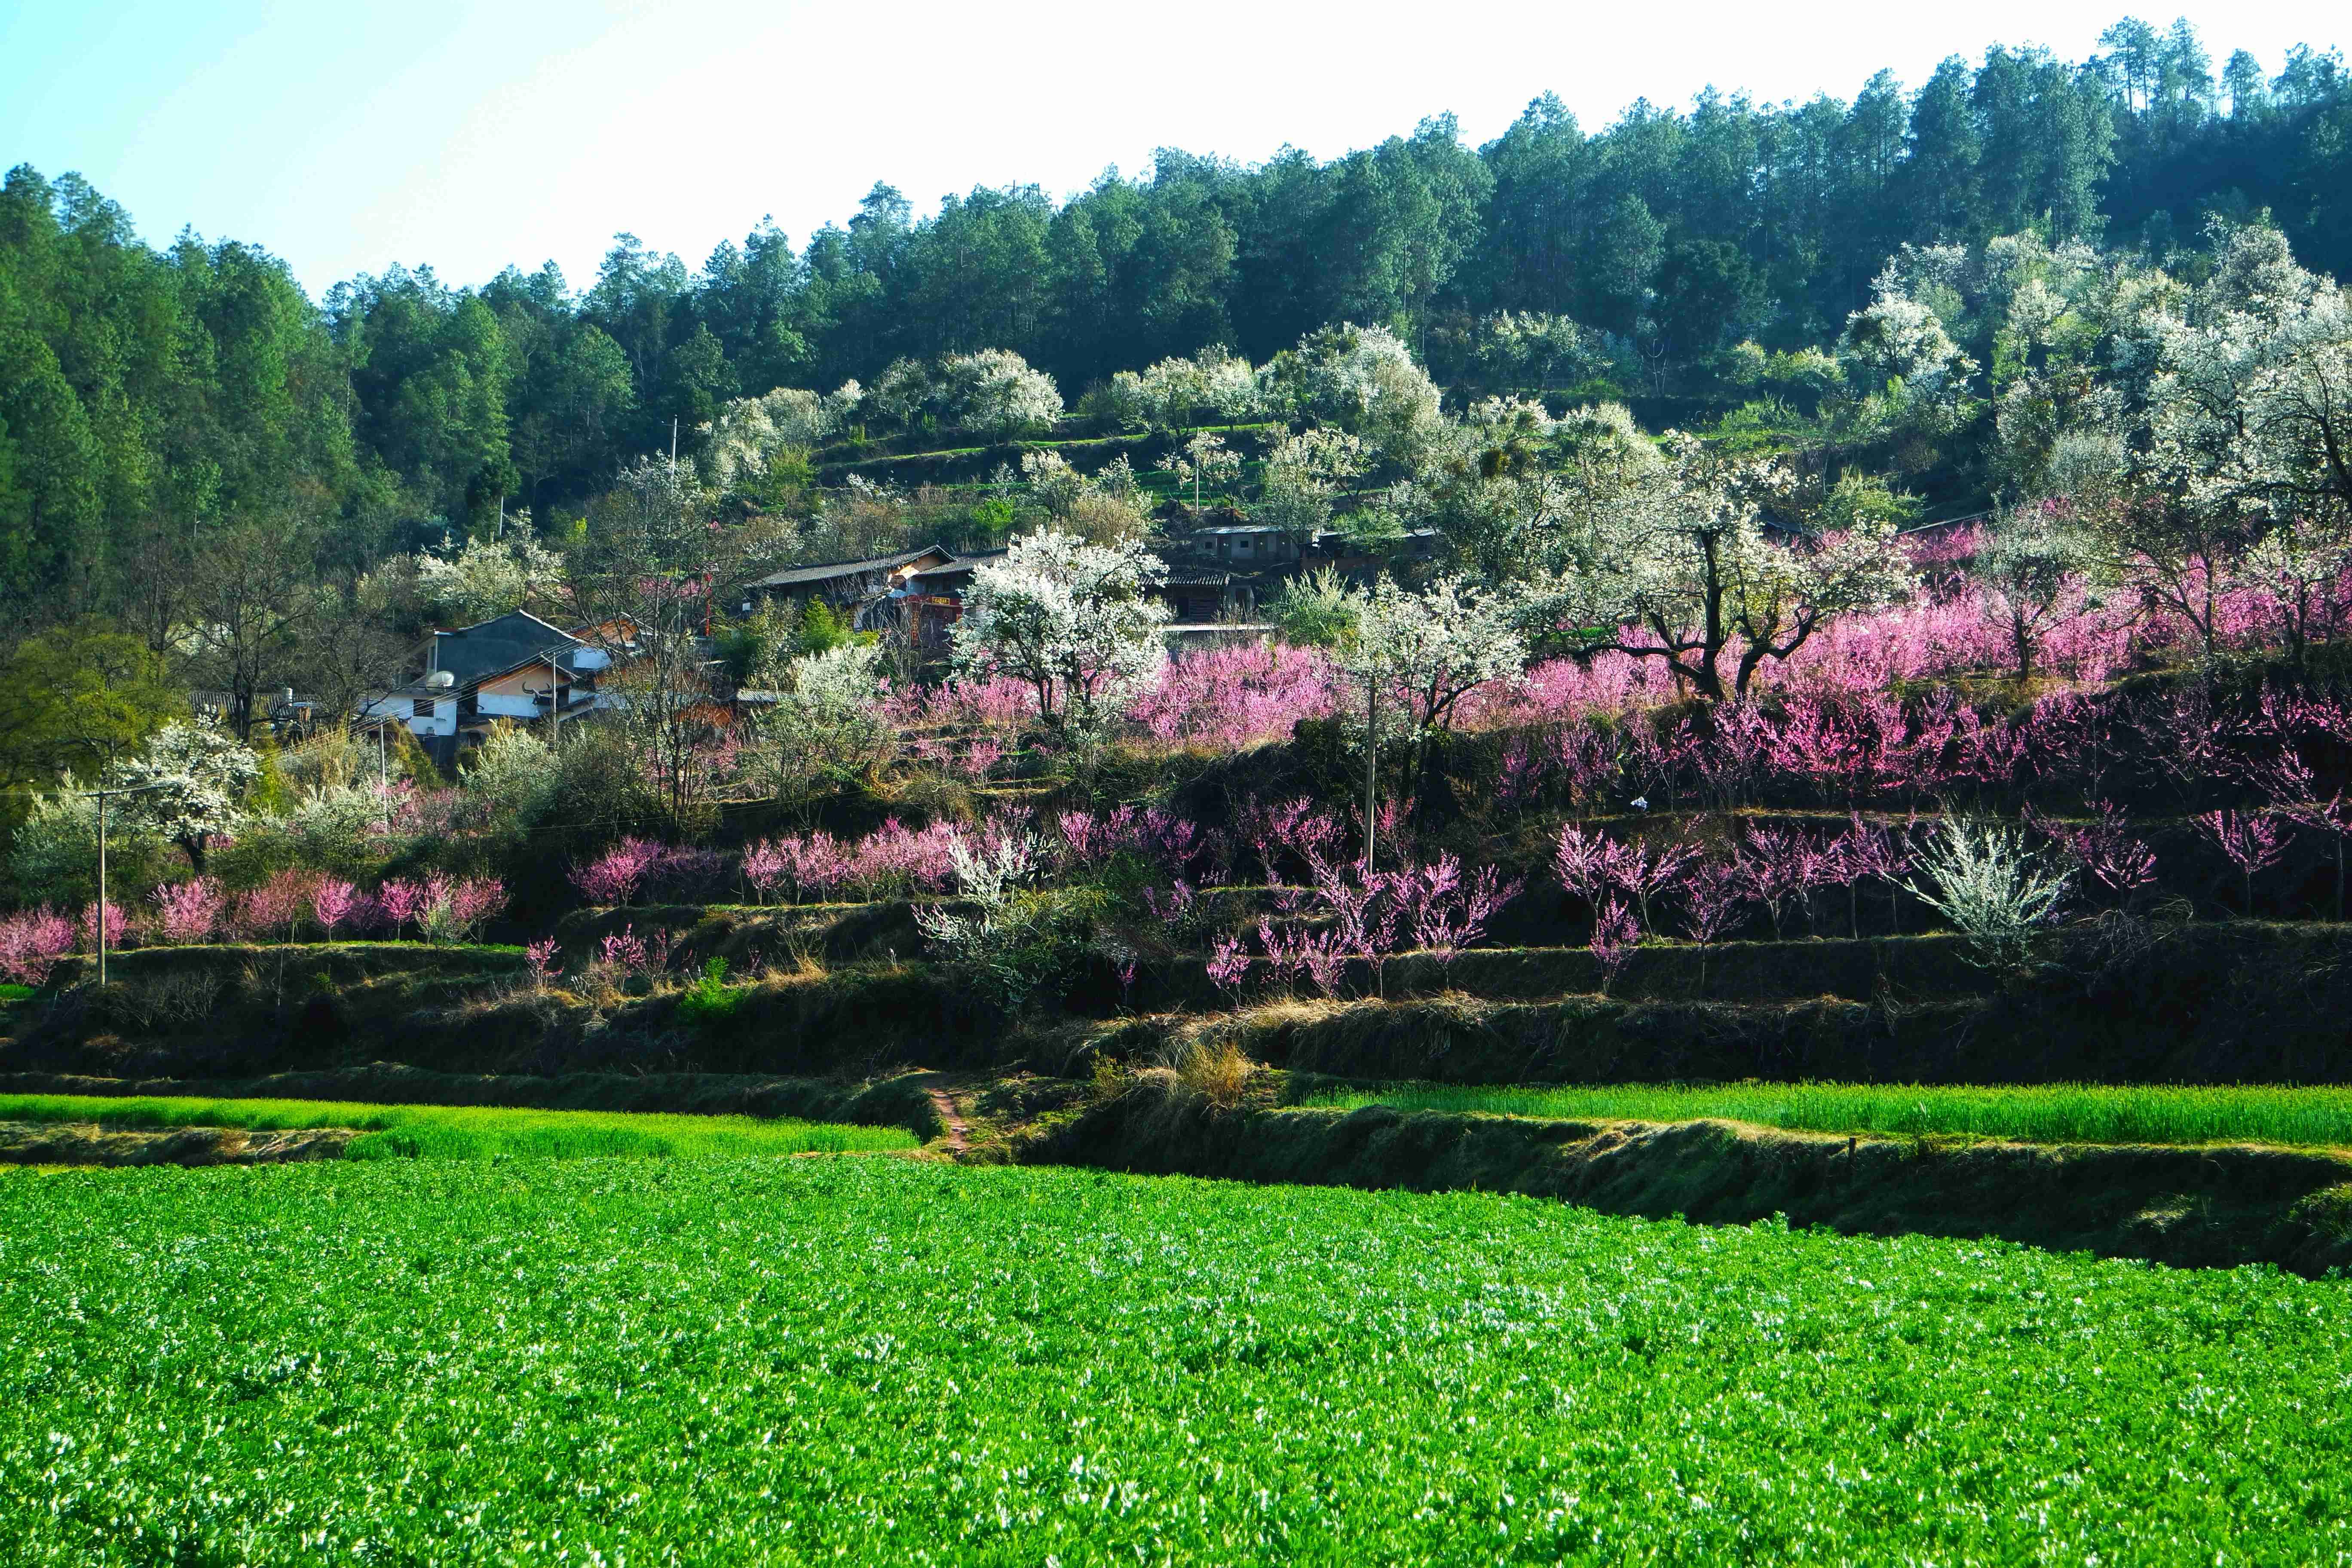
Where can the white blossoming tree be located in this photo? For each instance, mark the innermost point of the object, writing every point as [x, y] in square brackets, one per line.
[1303, 473]
[825, 726]
[994, 392]
[484, 578]
[1169, 395]
[189, 780]
[2245, 474]
[1204, 460]
[1412, 658]
[753, 435]
[1076, 621]
[1362, 380]
[1672, 562]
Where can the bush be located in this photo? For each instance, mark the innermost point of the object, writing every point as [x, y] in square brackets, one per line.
[711, 1000]
[1985, 880]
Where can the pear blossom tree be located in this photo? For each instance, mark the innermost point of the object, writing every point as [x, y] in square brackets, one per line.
[1674, 564]
[1075, 622]
[484, 578]
[1203, 460]
[1414, 656]
[189, 780]
[1303, 473]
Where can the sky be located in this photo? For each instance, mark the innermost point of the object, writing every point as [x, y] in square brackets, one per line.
[468, 136]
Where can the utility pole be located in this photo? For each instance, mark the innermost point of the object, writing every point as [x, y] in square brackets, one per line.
[555, 703]
[101, 796]
[1371, 770]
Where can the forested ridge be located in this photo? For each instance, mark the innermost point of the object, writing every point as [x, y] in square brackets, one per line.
[149, 395]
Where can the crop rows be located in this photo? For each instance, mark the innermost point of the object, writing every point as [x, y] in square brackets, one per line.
[470, 1132]
[873, 1361]
[2038, 1113]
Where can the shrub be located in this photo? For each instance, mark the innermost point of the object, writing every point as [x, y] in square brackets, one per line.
[711, 1000]
[1985, 881]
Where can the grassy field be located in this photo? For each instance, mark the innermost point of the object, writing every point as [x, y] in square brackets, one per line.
[725, 1362]
[2047, 1113]
[471, 1133]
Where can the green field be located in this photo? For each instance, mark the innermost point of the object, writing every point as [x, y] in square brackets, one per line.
[470, 1132]
[2050, 1113]
[725, 1362]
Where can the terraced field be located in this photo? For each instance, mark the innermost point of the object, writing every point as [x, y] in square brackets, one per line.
[726, 1361]
[2040, 1113]
[468, 1133]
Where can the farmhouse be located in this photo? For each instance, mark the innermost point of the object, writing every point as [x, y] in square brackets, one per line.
[861, 590]
[514, 666]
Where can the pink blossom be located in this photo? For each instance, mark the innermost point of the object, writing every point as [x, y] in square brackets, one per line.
[614, 876]
[118, 925]
[332, 902]
[1615, 933]
[189, 912]
[31, 942]
[398, 901]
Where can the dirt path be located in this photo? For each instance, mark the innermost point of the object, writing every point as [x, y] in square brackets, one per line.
[958, 1137]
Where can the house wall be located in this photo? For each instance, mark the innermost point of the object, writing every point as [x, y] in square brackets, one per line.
[442, 719]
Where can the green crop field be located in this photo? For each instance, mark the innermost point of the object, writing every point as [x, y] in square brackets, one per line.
[470, 1132]
[723, 1361]
[2050, 1113]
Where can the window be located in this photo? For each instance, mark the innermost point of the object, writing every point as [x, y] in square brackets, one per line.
[421, 707]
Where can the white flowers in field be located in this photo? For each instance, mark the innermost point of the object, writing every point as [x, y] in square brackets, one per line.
[484, 578]
[1074, 620]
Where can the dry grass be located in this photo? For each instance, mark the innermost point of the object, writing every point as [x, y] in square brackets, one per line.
[1219, 1072]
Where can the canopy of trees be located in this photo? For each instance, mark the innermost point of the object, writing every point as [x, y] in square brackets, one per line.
[149, 397]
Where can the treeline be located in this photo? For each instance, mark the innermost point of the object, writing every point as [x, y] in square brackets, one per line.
[149, 396]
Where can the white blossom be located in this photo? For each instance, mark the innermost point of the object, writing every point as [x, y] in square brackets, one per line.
[188, 781]
[1074, 620]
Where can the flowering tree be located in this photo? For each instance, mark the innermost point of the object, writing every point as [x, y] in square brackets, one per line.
[2251, 842]
[994, 390]
[1674, 564]
[1414, 656]
[1361, 379]
[189, 780]
[483, 578]
[826, 724]
[1169, 393]
[2249, 440]
[1206, 459]
[2032, 558]
[1985, 881]
[1303, 472]
[1073, 620]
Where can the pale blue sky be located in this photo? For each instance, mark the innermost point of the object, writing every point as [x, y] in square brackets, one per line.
[348, 136]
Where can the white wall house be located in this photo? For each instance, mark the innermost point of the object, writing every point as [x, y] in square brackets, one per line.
[515, 668]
